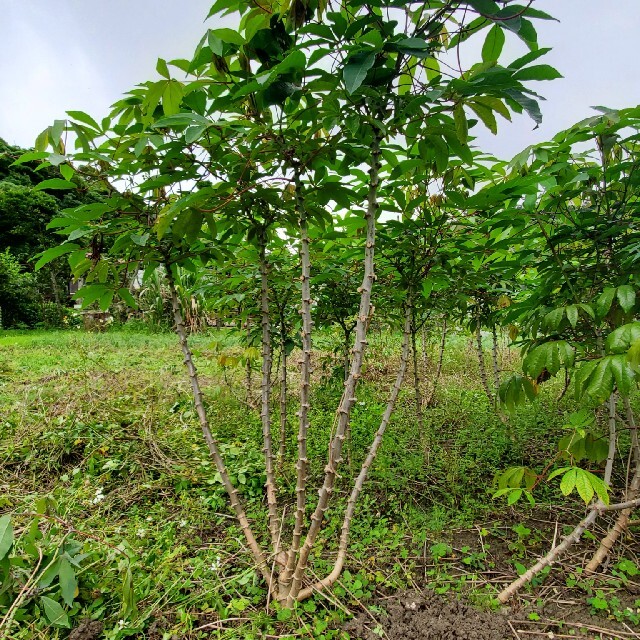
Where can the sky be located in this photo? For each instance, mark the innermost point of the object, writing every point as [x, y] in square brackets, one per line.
[84, 54]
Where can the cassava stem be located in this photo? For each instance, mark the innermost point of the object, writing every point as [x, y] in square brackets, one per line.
[348, 398]
[622, 521]
[274, 526]
[443, 341]
[366, 465]
[212, 443]
[302, 463]
[481, 365]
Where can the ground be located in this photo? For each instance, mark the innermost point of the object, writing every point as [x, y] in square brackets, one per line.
[103, 463]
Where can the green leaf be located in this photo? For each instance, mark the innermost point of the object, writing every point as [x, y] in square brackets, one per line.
[572, 315]
[54, 612]
[54, 183]
[106, 299]
[600, 383]
[603, 304]
[49, 574]
[484, 7]
[128, 593]
[486, 115]
[493, 44]
[228, 35]
[537, 72]
[623, 373]
[172, 97]
[85, 118]
[29, 157]
[162, 69]
[583, 485]
[599, 486]
[67, 171]
[568, 482]
[626, 297]
[514, 496]
[53, 253]
[356, 69]
[194, 133]
[460, 120]
[595, 449]
[6, 536]
[416, 47]
[633, 355]
[68, 581]
[180, 119]
[126, 296]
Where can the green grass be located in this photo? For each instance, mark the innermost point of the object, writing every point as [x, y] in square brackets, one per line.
[99, 443]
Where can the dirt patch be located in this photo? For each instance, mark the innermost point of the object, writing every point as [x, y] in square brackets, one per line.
[414, 616]
[87, 630]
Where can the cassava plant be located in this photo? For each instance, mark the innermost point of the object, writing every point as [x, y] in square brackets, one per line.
[281, 127]
[572, 214]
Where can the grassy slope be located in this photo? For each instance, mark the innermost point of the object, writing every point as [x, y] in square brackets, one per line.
[103, 425]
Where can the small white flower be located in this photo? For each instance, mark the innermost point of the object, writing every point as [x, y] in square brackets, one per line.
[141, 532]
[182, 524]
[121, 623]
[99, 497]
[361, 404]
[149, 519]
[215, 565]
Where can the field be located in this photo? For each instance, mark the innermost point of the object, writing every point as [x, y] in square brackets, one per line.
[102, 463]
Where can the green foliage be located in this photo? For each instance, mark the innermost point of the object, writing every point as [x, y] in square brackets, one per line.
[19, 299]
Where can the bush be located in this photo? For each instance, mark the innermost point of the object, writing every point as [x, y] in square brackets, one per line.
[19, 297]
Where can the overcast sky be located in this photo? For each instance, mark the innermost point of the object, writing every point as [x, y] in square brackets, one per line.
[83, 54]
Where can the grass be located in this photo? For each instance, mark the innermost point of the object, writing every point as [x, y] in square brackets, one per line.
[103, 463]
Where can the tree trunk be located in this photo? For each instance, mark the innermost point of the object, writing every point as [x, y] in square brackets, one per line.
[496, 365]
[416, 373]
[212, 443]
[436, 379]
[366, 465]
[248, 382]
[283, 397]
[348, 398]
[483, 370]
[425, 355]
[302, 463]
[265, 410]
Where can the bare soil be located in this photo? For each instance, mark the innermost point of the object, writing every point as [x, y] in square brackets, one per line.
[427, 616]
[414, 616]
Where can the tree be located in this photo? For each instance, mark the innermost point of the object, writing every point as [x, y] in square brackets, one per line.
[280, 128]
[27, 205]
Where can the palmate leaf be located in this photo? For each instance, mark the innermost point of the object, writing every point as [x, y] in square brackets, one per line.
[516, 390]
[598, 378]
[552, 356]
